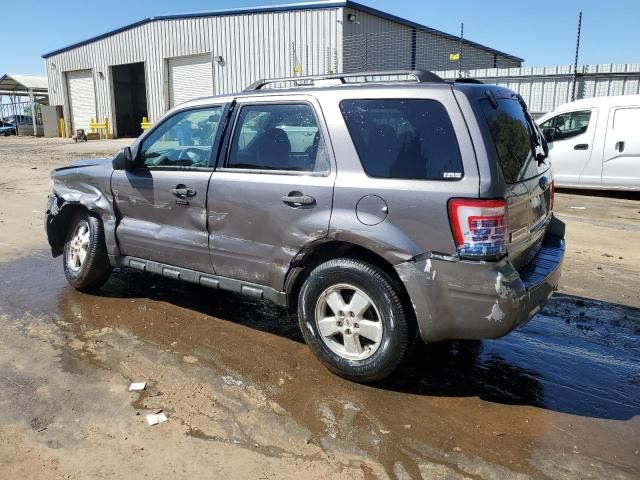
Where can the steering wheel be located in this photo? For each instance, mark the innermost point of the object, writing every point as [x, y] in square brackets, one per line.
[186, 155]
[557, 133]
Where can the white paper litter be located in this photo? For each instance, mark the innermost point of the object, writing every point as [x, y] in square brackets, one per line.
[579, 208]
[155, 418]
[137, 386]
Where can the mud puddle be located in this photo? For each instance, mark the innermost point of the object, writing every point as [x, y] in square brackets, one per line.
[568, 384]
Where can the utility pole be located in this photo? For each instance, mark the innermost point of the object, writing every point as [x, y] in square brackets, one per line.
[575, 62]
[460, 50]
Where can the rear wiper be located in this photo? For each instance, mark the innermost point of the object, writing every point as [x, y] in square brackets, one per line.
[492, 99]
[538, 143]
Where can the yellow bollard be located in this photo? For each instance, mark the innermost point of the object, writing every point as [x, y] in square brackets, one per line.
[93, 125]
[61, 128]
[145, 124]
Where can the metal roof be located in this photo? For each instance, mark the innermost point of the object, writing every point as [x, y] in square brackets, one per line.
[11, 82]
[322, 4]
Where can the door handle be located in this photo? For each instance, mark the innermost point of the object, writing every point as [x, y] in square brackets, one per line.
[619, 147]
[297, 199]
[183, 192]
[581, 146]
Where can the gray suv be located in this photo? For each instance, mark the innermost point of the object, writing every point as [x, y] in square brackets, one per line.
[381, 207]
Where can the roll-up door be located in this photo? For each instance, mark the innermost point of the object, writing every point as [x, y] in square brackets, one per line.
[190, 77]
[82, 98]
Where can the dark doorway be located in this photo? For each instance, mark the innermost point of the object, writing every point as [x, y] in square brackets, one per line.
[130, 95]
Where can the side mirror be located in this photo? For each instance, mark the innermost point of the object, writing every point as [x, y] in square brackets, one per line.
[123, 160]
[549, 134]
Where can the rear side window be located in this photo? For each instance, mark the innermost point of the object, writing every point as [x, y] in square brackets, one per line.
[402, 138]
[283, 137]
[626, 120]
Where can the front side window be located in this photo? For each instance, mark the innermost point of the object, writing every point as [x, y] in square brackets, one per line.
[402, 138]
[282, 137]
[183, 140]
[566, 125]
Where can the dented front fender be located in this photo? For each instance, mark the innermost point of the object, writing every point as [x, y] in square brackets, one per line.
[80, 187]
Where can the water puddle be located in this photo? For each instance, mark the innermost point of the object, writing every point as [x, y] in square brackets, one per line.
[574, 370]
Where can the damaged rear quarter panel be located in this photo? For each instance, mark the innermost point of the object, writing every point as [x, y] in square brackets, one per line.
[459, 299]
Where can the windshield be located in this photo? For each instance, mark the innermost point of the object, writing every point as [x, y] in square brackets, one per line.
[512, 138]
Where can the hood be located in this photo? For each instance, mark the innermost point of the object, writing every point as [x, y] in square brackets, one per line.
[88, 162]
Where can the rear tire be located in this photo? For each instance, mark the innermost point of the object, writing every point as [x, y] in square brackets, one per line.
[353, 319]
[85, 259]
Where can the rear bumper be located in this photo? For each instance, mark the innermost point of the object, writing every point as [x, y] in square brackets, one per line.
[459, 299]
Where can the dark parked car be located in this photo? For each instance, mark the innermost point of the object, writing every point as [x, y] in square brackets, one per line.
[7, 129]
[380, 212]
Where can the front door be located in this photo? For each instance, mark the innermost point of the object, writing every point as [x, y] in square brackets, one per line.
[163, 201]
[273, 190]
[570, 138]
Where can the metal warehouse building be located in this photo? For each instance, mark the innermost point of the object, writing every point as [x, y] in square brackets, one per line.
[143, 69]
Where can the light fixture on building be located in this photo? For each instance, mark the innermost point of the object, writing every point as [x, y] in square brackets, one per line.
[352, 18]
[101, 75]
[219, 60]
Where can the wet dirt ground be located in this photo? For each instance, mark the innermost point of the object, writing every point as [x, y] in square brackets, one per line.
[245, 398]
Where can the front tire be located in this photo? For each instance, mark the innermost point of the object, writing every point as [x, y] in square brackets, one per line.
[86, 262]
[354, 320]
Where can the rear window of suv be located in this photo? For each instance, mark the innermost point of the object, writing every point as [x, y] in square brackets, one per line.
[404, 138]
[511, 136]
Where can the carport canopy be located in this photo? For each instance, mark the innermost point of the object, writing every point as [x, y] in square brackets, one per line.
[32, 86]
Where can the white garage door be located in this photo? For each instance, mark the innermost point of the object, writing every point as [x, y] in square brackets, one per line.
[189, 78]
[82, 98]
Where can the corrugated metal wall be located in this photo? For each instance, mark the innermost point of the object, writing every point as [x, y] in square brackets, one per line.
[545, 88]
[376, 43]
[256, 45]
[369, 41]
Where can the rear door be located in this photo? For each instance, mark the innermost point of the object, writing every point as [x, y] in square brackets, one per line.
[272, 192]
[163, 202]
[528, 182]
[570, 137]
[621, 160]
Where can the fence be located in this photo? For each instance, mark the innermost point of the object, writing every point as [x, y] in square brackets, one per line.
[19, 112]
[545, 88]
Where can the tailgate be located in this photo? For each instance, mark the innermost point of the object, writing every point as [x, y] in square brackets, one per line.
[528, 214]
[526, 173]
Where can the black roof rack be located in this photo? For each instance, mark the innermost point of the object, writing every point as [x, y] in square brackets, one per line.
[468, 80]
[420, 76]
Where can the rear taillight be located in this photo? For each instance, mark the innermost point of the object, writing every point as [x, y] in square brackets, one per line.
[479, 227]
[553, 195]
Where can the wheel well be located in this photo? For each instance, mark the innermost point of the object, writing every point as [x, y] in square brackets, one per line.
[332, 250]
[58, 227]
